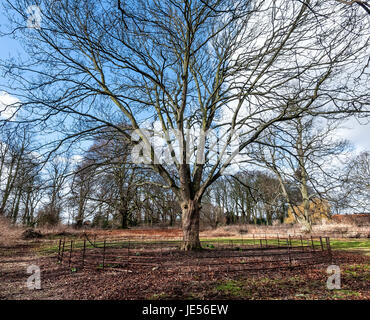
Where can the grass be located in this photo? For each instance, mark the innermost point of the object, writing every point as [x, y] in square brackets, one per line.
[159, 296]
[357, 272]
[362, 246]
[345, 294]
[351, 245]
[232, 288]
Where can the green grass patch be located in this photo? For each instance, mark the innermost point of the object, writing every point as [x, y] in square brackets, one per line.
[351, 245]
[230, 288]
[357, 271]
[345, 294]
[159, 296]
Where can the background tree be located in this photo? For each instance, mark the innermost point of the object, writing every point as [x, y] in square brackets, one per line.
[355, 190]
[301, 153]
[20, 183]
[55, 181]
[82, 186]
[363, 4]
[116, 178]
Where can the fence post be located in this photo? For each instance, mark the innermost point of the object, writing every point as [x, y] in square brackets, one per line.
[83, 254]
[261, 243]
[290, 259]
[266, 240]
[128, 254]
[70, 254]
[290, 241]
[278, 239]
[313, 244]
[61, 258]
[104, 254]
[254, 243]
[322, 245]
[329, 249]
[59, 247]
[301, 242]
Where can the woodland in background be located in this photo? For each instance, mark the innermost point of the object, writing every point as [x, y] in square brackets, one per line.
[104, 189]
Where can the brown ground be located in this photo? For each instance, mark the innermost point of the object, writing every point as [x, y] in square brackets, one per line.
[62, 282]
[145, 233]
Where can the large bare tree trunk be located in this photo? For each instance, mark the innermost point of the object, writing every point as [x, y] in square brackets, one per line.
[124, 214]
[190, 224]
[306, 221]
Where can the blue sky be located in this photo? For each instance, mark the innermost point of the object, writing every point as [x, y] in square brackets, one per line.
[357, 133]
[8, 46]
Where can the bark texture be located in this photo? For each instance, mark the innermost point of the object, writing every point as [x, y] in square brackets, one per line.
[190, 225]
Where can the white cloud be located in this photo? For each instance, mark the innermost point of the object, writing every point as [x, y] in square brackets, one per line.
[357, 132]
[8, 105]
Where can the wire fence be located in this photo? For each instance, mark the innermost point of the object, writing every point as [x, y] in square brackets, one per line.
[344, 234]
[218, 255]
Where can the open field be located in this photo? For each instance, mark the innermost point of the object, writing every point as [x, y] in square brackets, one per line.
[140, 281]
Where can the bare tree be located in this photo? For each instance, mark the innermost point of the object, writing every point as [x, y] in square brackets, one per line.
[56, 182]
[356, 183]
[15, 148]
[32, 193]
[117, 179]
[230, 67]
[302, 153]
[363, 4]
[81, 187]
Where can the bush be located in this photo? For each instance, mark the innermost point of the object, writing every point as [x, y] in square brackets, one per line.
[31, 234]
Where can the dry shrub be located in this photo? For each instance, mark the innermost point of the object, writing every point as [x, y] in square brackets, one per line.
[60, 231]
[359, 220]
[225, 231]
[8, 232]
[332, 229]
[31, 234]
[349, 230]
